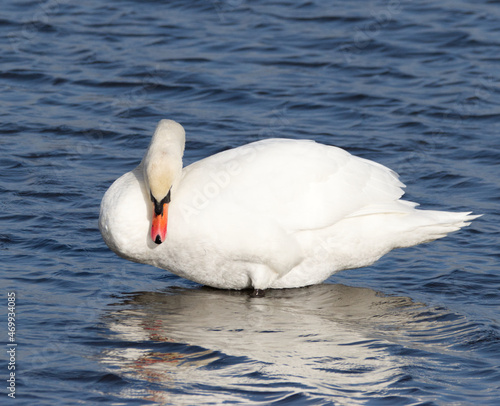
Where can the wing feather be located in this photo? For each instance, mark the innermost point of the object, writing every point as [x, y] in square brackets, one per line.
[299, 184]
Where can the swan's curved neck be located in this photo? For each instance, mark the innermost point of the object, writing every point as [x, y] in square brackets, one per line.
[162, 163]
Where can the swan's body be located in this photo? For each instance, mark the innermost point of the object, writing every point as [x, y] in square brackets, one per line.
[276, 213]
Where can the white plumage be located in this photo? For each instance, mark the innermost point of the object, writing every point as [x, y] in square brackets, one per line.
[276, 213]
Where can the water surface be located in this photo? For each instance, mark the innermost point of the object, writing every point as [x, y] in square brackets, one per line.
[412, 85]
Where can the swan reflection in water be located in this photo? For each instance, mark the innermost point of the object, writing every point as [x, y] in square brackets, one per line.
[321, 340]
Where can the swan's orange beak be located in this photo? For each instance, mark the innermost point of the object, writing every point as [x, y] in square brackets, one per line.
[159, 225]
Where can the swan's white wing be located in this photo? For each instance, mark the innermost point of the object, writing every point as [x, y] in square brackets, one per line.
[299, 185]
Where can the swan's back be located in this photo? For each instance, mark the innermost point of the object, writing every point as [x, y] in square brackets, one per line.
[299, 184]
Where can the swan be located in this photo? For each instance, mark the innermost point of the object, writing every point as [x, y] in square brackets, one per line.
[276, 213]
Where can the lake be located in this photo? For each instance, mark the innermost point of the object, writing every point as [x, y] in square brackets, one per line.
[412, 85]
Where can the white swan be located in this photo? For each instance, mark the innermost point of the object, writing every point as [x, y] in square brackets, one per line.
[276, 213]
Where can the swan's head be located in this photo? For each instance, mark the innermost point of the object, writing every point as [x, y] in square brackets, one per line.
[162, 166]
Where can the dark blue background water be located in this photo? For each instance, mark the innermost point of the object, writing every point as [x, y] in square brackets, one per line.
[413, 85]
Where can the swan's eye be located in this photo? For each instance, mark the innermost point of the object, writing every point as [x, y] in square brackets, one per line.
[159, 206]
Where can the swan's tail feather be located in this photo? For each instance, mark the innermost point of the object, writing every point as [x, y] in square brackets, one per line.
[429, 225]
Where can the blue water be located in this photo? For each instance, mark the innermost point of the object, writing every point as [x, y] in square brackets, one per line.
[414, 85]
